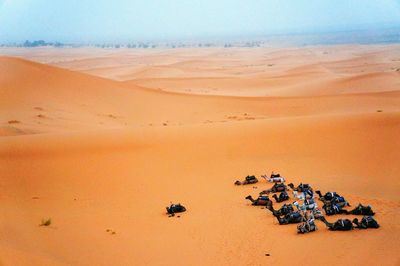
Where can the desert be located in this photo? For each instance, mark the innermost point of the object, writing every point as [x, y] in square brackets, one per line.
[101, 140]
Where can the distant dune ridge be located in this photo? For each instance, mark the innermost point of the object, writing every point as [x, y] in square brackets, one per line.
[99, 140]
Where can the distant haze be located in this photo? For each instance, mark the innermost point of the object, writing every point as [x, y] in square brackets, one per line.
[97, 21]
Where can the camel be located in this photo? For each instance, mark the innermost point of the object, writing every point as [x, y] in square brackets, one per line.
[340, 202]
[285, 209]
[277, 187]
[274, 178]
[332, 209]
[366, 222]
[300, 188]
[250, 179]
[260, 201]
[339, 225]
[175, 208]
[362, 210]
[290, 218]
[332, 197]
[328, 195]
[283, 196]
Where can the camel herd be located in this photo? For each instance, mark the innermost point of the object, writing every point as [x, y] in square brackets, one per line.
[304, 210]
[307, 212]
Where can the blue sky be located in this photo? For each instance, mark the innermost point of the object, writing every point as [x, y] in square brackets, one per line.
[123, 20]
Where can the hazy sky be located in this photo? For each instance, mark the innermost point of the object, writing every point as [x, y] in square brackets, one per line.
[123, 20]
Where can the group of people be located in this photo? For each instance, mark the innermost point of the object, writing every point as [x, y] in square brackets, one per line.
[304, 210]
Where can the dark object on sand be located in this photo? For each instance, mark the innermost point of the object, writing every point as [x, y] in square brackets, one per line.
[362, 210]
[290, 218]
[277, 187]
[175, 208]
[339, 225]
[250, 179]
[366, 222]
[283, 196]
[333, 198]
[284, 210]
[333, 208]
[262, 200]
[300, 188]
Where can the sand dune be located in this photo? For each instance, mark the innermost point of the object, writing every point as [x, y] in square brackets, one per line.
[41, 99]
[100, 155]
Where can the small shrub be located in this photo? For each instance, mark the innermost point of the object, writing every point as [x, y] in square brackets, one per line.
[45, 222]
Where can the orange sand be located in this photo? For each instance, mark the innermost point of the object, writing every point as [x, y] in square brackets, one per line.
[110, 142]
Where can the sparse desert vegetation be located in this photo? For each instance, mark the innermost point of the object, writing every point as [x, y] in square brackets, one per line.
[45, 222]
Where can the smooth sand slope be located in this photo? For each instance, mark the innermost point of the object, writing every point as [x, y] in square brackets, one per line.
[95, 154]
